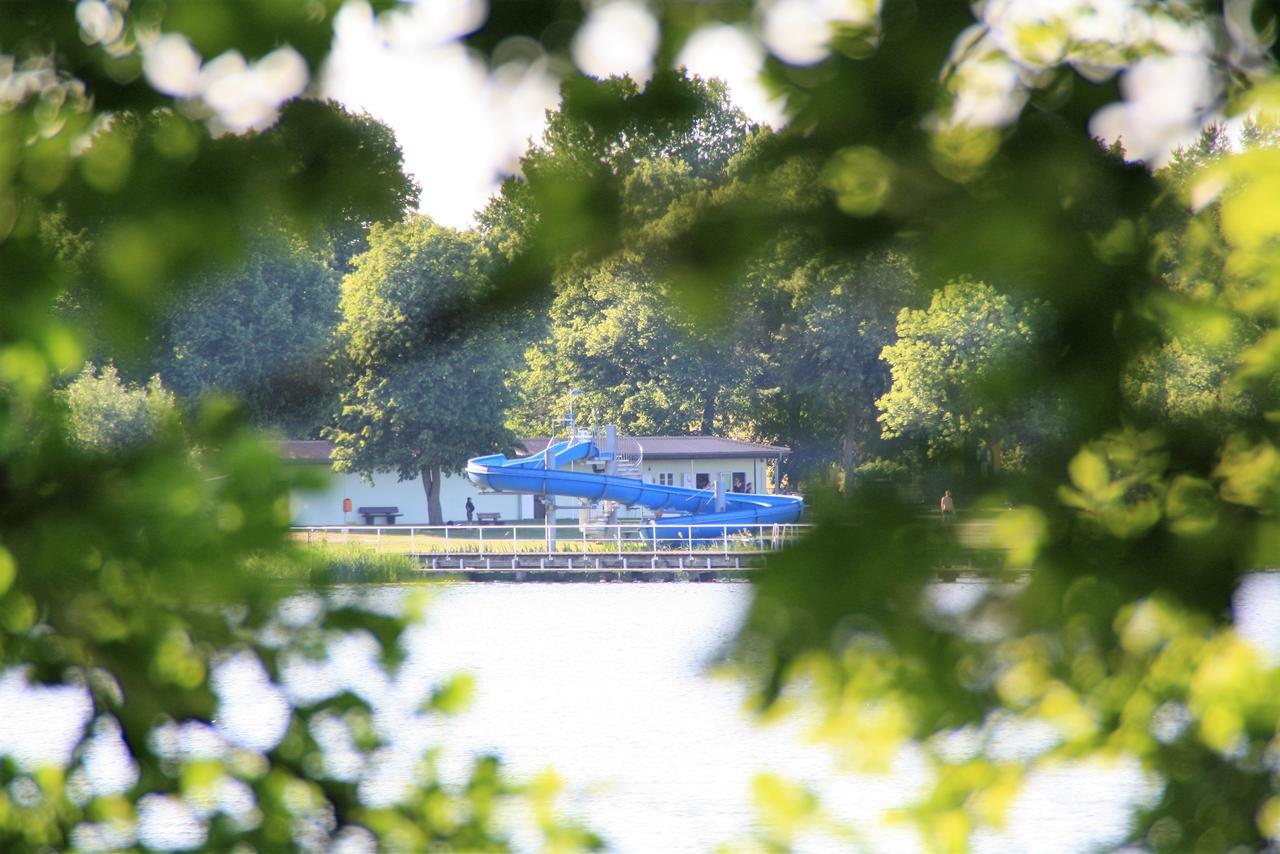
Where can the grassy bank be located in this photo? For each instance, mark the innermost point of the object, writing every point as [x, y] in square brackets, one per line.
[331, 563]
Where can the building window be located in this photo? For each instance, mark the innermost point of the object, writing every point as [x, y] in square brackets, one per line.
[702, 480]
[666, 478]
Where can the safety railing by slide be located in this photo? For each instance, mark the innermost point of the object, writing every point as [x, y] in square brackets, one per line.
[570, 539]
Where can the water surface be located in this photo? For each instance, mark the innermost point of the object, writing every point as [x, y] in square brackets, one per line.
[608, 684]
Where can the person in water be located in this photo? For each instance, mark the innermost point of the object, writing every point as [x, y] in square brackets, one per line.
[471, 509]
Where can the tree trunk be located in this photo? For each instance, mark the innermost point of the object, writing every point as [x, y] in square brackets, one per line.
[708, 413]
[850, 449]
[431, 486]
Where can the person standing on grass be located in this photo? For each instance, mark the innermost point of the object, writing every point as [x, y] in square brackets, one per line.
[948, 506]
[471, 509]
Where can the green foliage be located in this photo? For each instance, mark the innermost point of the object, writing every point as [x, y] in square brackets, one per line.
[617, 328]
[334, 564]
[963, 369]
[824, 370]
[122, 573]
[423, 363]
[260, 332]
[641, 362]
[322, 140]
[106, 414]
[607, 138]
[1137, 515]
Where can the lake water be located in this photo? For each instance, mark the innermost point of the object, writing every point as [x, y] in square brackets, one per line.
[608, 684]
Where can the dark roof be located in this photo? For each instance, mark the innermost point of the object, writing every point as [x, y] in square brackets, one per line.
[687, 447]
[308, 450]
[655, 448]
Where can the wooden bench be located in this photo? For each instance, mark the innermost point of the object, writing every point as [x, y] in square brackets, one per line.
[371, 513]
[488, 518]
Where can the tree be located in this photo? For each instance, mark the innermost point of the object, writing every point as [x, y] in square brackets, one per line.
[321, 139]
[824, 370]
[565, 206]
[647, 362]
[423, 366]
[1185, 377]
[640, 361]
[108, 415]
[260, 332]
[956, 367]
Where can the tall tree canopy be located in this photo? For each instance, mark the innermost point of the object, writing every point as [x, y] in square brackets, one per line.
[260, 332]
[641, 361]
[824, 370]
[615, 326]
[423, 365]
[957, 368]
[567, 204]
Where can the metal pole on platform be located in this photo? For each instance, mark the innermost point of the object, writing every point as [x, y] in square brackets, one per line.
[549, 507]
[549, 514]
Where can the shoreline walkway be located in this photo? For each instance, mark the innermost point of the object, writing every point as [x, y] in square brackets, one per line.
[523, 552]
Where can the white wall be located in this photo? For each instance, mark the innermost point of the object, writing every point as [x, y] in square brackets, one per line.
[721, 469]
[324, 507]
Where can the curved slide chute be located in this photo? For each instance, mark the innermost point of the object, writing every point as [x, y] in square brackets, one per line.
[695, 515]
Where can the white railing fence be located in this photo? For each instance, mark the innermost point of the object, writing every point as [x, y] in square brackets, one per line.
[596, 538]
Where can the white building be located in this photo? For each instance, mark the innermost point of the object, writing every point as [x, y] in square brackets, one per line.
[698, 462]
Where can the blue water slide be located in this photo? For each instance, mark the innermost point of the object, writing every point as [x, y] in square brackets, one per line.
[693, 510]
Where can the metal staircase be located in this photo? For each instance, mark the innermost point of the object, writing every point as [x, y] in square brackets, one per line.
[628, 457]
[623, 460]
